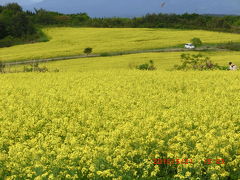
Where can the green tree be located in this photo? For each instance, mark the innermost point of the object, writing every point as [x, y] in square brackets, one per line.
[15, 22]
[13, 7]
[82, 17]
[87, 51]
[196, 42]
[3, 31]
[45, 17]
[197, 62]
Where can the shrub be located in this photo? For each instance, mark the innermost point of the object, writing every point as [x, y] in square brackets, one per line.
[56, 70]
[2, 67]
[104, 54]
[147, 66]
[197, 62]
[34, 67]
[196, 42]
[88, 51]
[230, 45]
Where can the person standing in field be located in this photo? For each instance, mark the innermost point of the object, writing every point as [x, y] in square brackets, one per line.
[232, 66]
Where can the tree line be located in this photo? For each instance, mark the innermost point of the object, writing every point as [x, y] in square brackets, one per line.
[15, 24]
[183, 21]
[18, 25]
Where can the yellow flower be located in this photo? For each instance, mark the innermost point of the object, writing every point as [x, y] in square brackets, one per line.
[187, 174]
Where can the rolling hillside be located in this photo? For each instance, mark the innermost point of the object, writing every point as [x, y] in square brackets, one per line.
[72, 41]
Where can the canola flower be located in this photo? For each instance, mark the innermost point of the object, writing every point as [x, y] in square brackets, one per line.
[66, 41]
[162, 61]
[111, 124]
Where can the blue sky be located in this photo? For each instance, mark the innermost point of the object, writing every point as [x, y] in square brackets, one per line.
[126, 8]
[22, 2]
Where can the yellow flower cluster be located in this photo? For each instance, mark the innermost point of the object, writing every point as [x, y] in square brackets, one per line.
[112, 124]
[162, 61]
[66, 41]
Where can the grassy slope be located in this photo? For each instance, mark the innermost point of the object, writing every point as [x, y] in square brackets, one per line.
[72, 41]
[163, 61]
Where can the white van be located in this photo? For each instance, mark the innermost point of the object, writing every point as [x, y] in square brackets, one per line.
[189, 46]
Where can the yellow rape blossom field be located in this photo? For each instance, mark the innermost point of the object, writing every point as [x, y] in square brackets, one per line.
[113, 124]
[162, 61]
[100, 118]
[67, 41]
